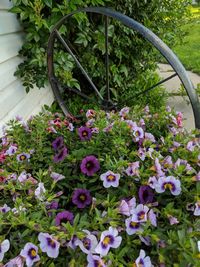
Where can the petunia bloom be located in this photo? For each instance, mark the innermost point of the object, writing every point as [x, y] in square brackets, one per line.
[61, 155]
[58, 143]
[139, 214]
[23, 157]
[4, 247]
[169, 182]
[133, 227]
[30, 253]
[49, 245]
[88, 243]
[95, 261]
[110, 179]
[84, 133]
[90, 165]
[109, 239]
[81, 198]
[64, 217]
[142, 260]
[146, 194]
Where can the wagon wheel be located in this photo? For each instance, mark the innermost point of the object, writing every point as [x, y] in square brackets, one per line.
[106, 102]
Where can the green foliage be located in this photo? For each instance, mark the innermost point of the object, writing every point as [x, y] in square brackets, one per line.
[131, 57]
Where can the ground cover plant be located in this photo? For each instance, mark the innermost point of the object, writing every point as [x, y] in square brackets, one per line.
[113, 189]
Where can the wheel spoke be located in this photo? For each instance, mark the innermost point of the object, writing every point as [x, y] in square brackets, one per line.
[107, 58]
[78, 63]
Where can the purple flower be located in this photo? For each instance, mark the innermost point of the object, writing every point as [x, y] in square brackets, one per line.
[150, 137]
[132, 170]
[123, 112]
[126, 207]
[169, 182]
[95, 261]
[152, 181]
[23, 177]
[52, 206]
[142, 153]
[138, 133]
[110, 179]
[90, 165]
[30, 253]
[158, 168]
[172, 220]
[146, 240]
[109, 239]
[4, 247]
[132, 227]
[11, 150]
[152, 217]
[81, 198]
[88, 243]
[90, 113]
[139, 214]
[58, 143]
[142, 260]
[5, 208]
[197, 209]
[23, 156]
[49, 245]
[64, 217]
[15, 262]
[57, 177]
[145, 194]
[60, 156]
[84, 133]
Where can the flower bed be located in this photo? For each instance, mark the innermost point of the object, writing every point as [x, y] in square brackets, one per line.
[115, 189]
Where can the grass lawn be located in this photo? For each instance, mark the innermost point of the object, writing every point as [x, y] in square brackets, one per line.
[189, 51]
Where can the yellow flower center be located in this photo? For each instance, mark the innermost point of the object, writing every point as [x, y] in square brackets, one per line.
[33, 252]
[82, 197]
[134, 224]
[111, 177]
[106, 240]
[141, 216]
[168, 186]
[84, 133]
[22, 157]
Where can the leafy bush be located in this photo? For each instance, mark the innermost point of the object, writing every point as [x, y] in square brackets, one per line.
[103, 191]
[130, 55]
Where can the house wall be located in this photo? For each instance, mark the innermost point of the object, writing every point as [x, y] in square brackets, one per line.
[13, 98]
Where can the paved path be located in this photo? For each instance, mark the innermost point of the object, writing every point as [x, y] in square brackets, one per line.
[178, 102]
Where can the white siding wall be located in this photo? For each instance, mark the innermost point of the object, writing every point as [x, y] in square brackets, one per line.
[13, 98]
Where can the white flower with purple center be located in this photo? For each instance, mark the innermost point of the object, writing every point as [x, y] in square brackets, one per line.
[30, 253]
[57, 177]
[88, 243]
[4, 247]
[110, 179]
[138, 133]
[197, 209]
[109, 239]
[40, 192]
[132, 169]
[23, 177]
[169, 182]
[95, 261]
[23, 157]
[142, 260]
[49, 245]
[133, 227]
[5, 208]
[11, 150]
[139, 214]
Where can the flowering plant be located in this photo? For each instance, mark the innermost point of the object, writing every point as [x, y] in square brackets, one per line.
[115, 189]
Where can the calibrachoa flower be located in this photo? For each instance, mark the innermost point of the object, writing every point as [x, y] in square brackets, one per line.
[126, 207]
[49, 245]
[139, 214]
[64, 217]
[23, 156]
[90, 113]
[4, 247]
[138, 133]
[123, 112]
[30, 253]
[23, 177]
[110, 179]
[95, 261]
[5, 208]
[61, 155]
[169, 182]
[146, 194]
[132, 226]
[88, 243]
[15, 262]
[132, 170]
[58, 143]
[172, 220]
[142, 260]
[40, 191]
[90, 165]
[11, 150]
[158, 168]
[57, 177]
[109, 239]
[84, 133]
[197, 209]
[152, 181]
[81, 198]
[152, 217]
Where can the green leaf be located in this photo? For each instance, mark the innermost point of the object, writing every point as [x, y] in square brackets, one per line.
[48, 3]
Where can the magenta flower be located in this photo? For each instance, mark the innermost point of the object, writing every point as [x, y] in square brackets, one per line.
[88, 243]
[4, 247]
[81, 198]
[109, 239]
[90, 165]
[84, 133]
[139, 214]
[58, 143]
[30, 253]
[133, 169]
[95, 261]
[142, 260]
[61, 155]
[23, 156]
[170, 183]
[49, 245]
[110, 179]
[64, 217]
[145, 194]
[133, 227]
